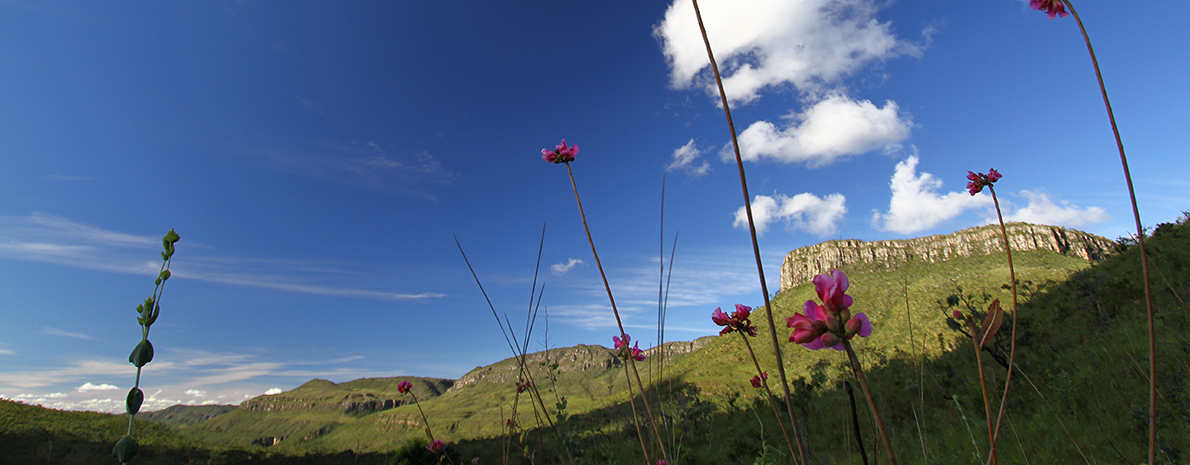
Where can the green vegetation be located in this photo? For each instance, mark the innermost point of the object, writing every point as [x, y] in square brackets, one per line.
[1079, 393]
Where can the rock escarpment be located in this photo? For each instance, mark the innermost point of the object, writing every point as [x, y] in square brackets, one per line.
[802, 264]
[579, 358]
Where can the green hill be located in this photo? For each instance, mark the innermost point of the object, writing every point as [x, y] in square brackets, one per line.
[181, 416]
[1078, 396]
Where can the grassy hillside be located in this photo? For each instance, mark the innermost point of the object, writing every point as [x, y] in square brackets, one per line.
[181, 416]
[1079, 394]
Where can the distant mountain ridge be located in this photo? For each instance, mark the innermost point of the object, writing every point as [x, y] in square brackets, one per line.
[802, 264]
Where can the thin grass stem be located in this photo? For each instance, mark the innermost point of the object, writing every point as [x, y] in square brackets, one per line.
[768, 393]
[995, 433]
[1140, 238]
[802, 456]
[619, 322]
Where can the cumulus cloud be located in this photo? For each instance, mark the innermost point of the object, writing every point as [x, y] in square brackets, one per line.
[808, 44]
[273, 391]
[562, 268]
[686, 158]
[96, 387]
[803, 211]
[834, 127]
[1042, 210]
[916, 204]
[195, 392]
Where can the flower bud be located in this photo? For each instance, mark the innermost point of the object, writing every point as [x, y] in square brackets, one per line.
[832, 323]
[830, 340]
[853, 326]
[958, 315]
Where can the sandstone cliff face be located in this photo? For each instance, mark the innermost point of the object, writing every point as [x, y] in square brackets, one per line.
[801, 265]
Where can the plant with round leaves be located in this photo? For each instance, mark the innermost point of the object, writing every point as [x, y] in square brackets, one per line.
[142, 354]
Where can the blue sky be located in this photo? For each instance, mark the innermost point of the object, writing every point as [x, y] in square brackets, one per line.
[316, 158]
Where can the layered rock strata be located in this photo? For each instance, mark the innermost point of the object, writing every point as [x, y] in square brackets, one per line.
[801, 265]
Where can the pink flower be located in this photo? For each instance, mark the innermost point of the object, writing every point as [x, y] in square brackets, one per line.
[757, 380]
[437, 446]
[625, 351]
[561, 154]
[1052, 8]
[831, 288]
[522, 385]
[404, 386]
[819, 328]
[738, 321]
[976, 181]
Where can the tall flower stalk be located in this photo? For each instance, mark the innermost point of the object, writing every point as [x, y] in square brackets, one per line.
[1057, 8]
[831, 325]
[739, 322]
[564, 154]
[436, 446]
[764, 289]
[126, 448]
[975, 183]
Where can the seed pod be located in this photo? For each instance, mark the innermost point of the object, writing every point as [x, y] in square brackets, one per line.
[142, 354]
[125, 450]
[136, 397]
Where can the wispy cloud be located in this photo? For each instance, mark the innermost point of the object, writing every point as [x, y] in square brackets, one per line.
[562, 268]
[96, 387]
[686, 158]
[805, 211]
[58, 332]
[48, 238]
[364, 164]
[191, 377]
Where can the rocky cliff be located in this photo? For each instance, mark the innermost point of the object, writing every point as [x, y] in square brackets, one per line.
[802, 264]
[570, 359]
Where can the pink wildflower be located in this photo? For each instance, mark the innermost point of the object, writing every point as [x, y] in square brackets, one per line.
[522, 385]
[831, 288]
[437, 446]
[560, 154]
[625, 351]
[758, 380]
[404, 386]
[976, 181]
[819, 327]
[738, 321]
[1052, 8]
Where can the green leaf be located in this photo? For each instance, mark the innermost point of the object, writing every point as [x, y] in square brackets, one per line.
[125, 450]
[142, 354]
[991, 323]
[136, 397]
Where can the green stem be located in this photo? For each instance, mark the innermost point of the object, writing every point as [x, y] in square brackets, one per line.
[863, 384]
[765, 382]
[1012, 344]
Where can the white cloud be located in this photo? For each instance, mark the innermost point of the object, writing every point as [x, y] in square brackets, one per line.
[273, 391]
[195, 392]
[803, 211]
[1042, 210]
[58, 332]
[685, 158]
[562, 268]
[96, 387]
[834, 127]
[808, 44]
[916, 205]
